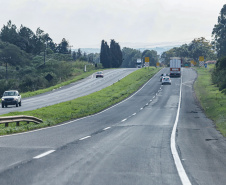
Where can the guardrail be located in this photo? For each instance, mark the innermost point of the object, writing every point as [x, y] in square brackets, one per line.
[10, 119]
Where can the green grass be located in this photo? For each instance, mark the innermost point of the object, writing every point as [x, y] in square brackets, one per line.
[83, 106]
[212, 100]
[77, 78]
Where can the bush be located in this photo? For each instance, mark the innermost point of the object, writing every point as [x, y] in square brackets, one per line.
[219, 74]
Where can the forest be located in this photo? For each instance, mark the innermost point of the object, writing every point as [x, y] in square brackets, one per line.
[31, 61]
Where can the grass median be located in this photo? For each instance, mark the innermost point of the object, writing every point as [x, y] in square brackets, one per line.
[212, 100]
[82, 106]
[75, 79]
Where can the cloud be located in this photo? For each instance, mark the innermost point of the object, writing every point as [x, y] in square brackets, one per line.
[84, 23]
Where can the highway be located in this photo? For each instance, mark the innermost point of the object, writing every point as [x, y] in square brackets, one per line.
[72, 91]
[128, 144]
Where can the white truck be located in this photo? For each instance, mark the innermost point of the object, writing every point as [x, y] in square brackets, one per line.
[175, 66]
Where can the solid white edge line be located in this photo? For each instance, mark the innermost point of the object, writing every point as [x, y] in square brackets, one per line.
[106, 128]
[44, 154]
[180, 169]
[84, 138]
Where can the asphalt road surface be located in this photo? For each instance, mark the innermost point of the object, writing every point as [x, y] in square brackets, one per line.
[72, 91]
[127, 144]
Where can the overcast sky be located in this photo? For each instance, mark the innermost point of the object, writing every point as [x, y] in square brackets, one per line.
[132, 23]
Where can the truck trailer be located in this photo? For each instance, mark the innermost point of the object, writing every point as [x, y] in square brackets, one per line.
[175, 66]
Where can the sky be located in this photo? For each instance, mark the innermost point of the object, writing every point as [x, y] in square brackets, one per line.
[131, 23]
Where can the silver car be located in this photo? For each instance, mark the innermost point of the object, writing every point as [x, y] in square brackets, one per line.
[11, 97]
[166, 80]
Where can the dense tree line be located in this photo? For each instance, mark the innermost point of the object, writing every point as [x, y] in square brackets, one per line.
[26, 58]
[83, 56]
[192, 51]
[130, 57]
[31, 42]
[110, 56]
[153, 57]
[219, 33]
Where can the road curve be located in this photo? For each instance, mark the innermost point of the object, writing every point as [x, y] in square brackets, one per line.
[72, 91]
[128, 143]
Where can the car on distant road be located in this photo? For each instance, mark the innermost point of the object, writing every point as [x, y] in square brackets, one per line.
[100, 74]
[166, 80]
[11, 97]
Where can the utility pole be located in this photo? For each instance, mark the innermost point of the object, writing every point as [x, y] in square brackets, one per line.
[6, 70]
[70, 49]
[44, 57]
[45, 53]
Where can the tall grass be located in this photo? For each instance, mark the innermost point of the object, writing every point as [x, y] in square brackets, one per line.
[212, 100]
[83, 106]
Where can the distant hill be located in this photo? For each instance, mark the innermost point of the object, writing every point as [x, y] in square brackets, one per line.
[159, 49]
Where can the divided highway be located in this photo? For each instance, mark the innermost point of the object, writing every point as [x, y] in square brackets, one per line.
[128, 144]
[72, 91]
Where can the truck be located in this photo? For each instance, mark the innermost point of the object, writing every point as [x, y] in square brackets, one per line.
[175, 66]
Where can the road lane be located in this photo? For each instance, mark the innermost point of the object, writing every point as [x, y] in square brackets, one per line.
[72, 91]
[202, 148]
[125, 144]
[135, 151]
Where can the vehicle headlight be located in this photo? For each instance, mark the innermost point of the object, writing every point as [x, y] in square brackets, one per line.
[2, 99]
[15, 98]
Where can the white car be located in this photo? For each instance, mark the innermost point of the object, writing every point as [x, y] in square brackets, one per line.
[100, 74]
[166, 80]
[163, 75]
[11, 97]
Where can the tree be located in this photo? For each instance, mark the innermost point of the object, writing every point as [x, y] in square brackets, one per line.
[116, 54]
[219, 32]
[79, 54]
[200, 47]
[105, 55]
[74, 57]
[40, 40]
[192, 51]
[13, 55]
[153, 56]
[63, 46]
[9, 33]
[26, 36]
[218, 74]
[130, 57]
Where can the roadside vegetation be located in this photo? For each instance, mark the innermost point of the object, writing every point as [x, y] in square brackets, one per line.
[83, 106]
[213, 101]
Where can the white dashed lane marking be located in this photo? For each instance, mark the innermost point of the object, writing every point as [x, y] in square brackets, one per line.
[106, 128]
[44, 154]
[84, 138]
